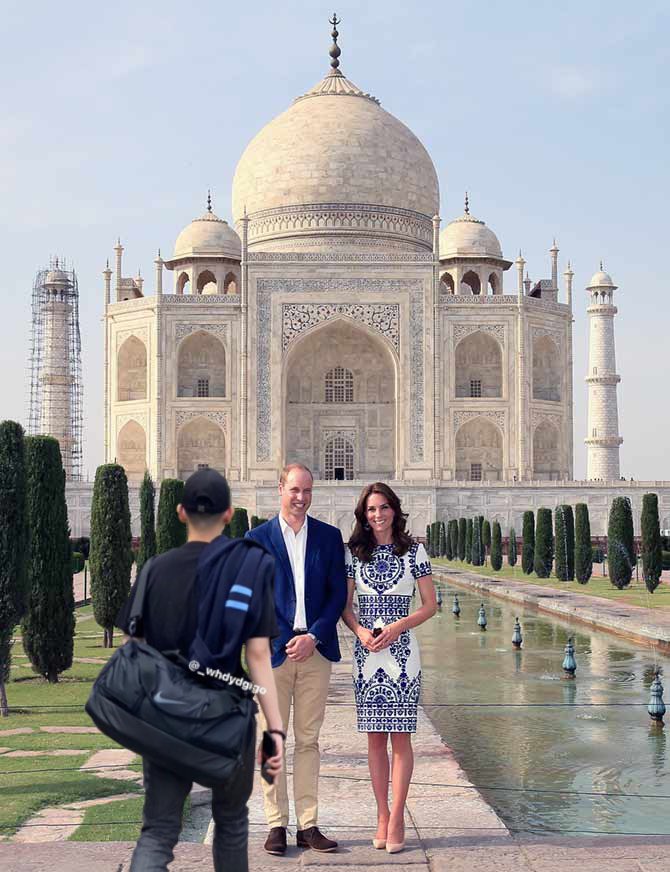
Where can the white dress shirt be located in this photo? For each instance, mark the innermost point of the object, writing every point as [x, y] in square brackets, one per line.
[296, 545]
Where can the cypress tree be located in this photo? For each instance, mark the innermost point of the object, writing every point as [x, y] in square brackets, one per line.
[111, 555]
[147, 522]
[486, 536]
[170, 532]
[48, 623]
[239, 524]
[544, 544]
[528, 543]
[652, 564]
[468, 540]
[462, 538]
[443, 540]
[477, 545]
[256, 522]
[13, 535]
[570, 535]
[620, 542]
[511, 548]
[453, 538]
[448, 541]
[496, 547]
[435, 538]
[428, 548]
[565, 543]
[583, 549]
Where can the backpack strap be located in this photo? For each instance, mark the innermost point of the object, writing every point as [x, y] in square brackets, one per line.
[137, 609]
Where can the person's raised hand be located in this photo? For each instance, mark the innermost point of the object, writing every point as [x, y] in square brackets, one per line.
[300, 648]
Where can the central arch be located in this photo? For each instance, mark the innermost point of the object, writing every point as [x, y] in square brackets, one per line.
[339, 389]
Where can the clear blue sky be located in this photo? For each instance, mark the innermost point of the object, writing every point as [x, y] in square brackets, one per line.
[118, 117]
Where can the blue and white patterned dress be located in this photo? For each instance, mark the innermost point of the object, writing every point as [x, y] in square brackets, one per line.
[387, 684]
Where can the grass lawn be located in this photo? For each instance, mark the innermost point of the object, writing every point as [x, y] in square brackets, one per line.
[112, 822]
[24, 790]
[635, 595]
[36, 703]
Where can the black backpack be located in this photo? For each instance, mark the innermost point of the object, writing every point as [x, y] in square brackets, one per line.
[151, 703]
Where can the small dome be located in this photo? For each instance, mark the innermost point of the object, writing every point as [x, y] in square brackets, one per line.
[57, 278]
[601, 279]
[468, 237]
[209, 236]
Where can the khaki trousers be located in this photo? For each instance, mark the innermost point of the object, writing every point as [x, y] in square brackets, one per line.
[305, 685]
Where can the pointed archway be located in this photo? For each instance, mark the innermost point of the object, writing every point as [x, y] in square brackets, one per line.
[339, 407]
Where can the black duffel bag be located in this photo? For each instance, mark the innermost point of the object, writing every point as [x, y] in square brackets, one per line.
[152, 704]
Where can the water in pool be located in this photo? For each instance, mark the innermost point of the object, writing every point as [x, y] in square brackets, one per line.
[560, 748]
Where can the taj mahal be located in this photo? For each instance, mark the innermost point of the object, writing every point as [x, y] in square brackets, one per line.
[341, 322]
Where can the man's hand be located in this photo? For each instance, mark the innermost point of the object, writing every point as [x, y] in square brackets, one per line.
[273, 764]
[300, 648]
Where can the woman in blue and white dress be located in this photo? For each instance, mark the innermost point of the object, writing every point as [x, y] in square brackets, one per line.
[384, 564]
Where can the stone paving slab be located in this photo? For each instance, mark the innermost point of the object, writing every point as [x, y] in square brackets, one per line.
[633, 622]
[519, 856]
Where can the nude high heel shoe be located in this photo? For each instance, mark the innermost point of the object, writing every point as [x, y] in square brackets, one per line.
[380, 844]
[395, 849]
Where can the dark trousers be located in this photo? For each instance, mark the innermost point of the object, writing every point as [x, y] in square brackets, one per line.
[165, 794]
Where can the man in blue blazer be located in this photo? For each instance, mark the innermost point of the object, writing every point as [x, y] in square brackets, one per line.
[310, 593]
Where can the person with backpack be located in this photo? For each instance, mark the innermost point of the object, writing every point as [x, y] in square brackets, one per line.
[171, 623]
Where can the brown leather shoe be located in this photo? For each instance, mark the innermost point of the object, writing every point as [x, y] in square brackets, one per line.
[276, 841]
[313, 838]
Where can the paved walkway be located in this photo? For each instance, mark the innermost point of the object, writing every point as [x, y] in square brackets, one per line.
[634, 622]
[449, 829]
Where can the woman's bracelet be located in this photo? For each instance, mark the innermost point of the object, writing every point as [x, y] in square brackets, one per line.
[279, 733]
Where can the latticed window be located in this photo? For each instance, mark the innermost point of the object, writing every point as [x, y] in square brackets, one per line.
[339, 385]
[203, 387]
[203, 466]
[475, 387]
[475, 472]
[339, 465]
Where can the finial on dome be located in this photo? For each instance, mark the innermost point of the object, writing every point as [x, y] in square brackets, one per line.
[602, 268]
[467, 204]
[209, 200]
[335, 50]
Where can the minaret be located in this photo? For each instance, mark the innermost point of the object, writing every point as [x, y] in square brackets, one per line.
[603, 438]
[55, 382]
[553, 251]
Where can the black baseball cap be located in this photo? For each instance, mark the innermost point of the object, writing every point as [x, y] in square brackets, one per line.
[206, 492]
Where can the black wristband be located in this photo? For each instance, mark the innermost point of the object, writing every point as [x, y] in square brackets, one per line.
[278, 732]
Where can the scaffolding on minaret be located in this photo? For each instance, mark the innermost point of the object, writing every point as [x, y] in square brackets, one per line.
[56, 400]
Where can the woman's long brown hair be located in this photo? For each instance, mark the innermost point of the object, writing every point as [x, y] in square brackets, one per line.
[362, 542]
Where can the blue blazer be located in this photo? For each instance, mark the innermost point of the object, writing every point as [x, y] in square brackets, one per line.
[325, 584]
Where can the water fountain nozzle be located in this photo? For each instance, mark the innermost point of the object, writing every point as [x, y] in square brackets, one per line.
[656, 707]
[517, 638]
[481, 620]
[569, 662]
[456, 608]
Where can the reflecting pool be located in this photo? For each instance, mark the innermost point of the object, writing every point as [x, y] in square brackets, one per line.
[541, 737]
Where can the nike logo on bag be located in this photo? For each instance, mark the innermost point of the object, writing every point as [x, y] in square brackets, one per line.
[158, 697]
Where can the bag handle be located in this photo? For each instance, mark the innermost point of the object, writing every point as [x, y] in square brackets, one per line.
[138, 601]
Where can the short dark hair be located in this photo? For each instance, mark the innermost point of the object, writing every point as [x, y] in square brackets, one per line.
[201, 521]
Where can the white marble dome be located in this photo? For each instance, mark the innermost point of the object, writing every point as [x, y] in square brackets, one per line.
[601, 279]
[468, 237]
[335, 146]
[208, 236]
